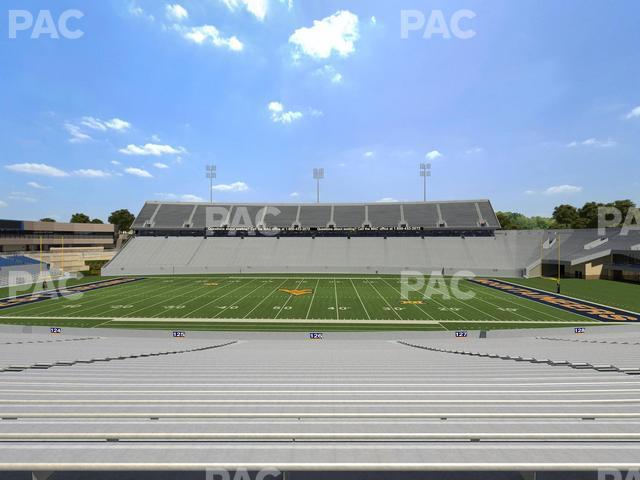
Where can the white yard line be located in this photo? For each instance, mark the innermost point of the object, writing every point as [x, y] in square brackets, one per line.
[361, 302]
[335, 292]
[288, 300]
[265, 298]
[271, 320]
[399, 291]
[267, 320]
[488, 292]
[238, 300]
[188, 287]
[218, 298]
[313, 297]
[385, 301]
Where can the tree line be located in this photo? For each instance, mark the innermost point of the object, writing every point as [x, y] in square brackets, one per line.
[564, 216]
[122, 219]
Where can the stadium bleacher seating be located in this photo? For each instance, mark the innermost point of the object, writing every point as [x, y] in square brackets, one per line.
[116, 401]
[473, 214]
[505, 254]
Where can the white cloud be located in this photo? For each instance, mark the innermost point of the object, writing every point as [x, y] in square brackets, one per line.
[138, 172]
[137, 11]
[337, 33]
[562, 190]
[329, 72]
[369, 154]
[161, 166]
[279, 115]
[187, 197]
[91, 173]
[3, 204]
[294, 194]
[37, 186]
[635, 113]
[289, 3]
[152, 149]
[77, 135]
[593, 142]
[473, 150]
[530, 192]
[22, 197]
[433, 155]
[176, 12]
[210, 34]
[104, 125]
[37, 169]
[233, 187]
[115, 162]
[387, 200]
[258, 8]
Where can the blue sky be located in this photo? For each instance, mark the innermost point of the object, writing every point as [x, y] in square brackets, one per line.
[540, 107]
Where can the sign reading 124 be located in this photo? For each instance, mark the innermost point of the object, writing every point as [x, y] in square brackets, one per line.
[55, 330]
[316, 336]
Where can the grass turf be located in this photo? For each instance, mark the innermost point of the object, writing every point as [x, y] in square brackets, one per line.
[605, 292]
[340, 303]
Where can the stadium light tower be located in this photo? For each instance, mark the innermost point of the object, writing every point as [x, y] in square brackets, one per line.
[211, 174]
[425, 171]
[318, 174]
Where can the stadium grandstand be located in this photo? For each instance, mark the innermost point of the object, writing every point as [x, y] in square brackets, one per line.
[513, 406]
[192, 238]
[612, 253]
[449, 237]
[449, 218]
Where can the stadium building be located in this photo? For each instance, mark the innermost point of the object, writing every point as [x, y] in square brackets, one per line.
[447, 237]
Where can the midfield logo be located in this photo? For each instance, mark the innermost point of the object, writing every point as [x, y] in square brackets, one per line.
[297, 293]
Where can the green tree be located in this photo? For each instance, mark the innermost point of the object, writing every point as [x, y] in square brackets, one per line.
[624, 206]
[518, 221]
[80, 218]
[122, 219]
[97, 221]
[588, 216]
[564, 216]
[541, 223]
[48, 220]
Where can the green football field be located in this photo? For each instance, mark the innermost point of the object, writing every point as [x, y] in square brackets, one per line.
[289, 303]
